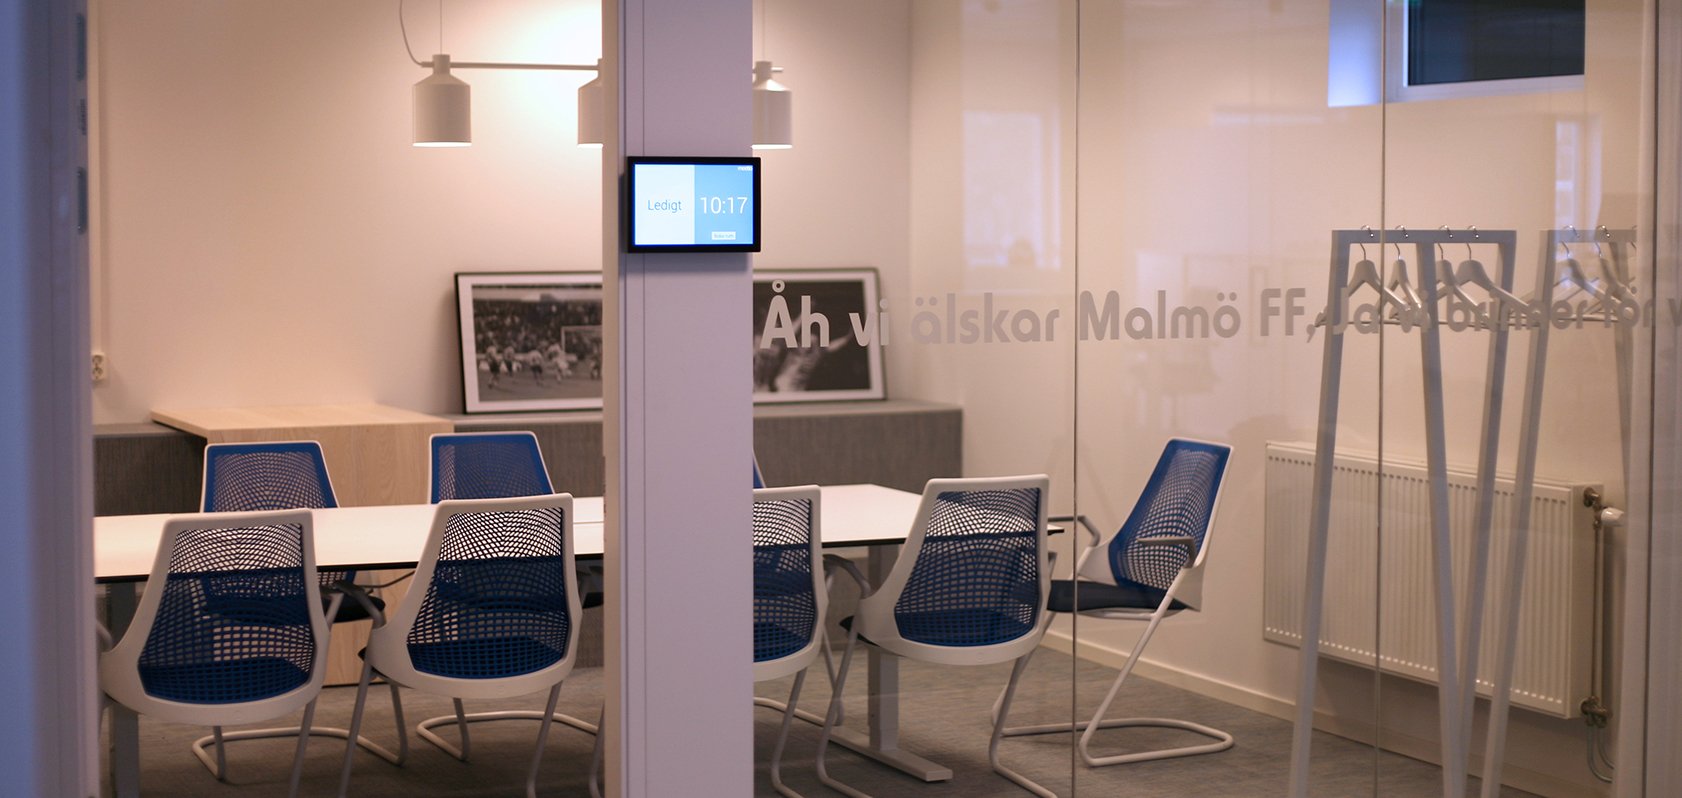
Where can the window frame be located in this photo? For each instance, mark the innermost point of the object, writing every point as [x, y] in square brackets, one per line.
[1397, 88]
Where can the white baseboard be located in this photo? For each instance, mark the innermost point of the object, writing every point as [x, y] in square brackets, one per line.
[1422, 749]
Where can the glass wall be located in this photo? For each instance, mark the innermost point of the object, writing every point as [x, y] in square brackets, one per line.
[1171, 253]
[952, 195]
[1552, 158]
[1212, 176]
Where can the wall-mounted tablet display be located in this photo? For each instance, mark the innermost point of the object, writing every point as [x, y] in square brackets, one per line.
[692, 204]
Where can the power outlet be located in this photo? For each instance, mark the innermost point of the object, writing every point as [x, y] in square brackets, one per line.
[99, 366]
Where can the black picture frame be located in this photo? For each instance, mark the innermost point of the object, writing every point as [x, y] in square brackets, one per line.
[850, 368]
[530, 341]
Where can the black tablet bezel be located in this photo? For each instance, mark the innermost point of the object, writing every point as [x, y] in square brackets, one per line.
[629, 215]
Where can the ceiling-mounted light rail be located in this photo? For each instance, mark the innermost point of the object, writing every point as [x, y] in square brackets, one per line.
[443, 105]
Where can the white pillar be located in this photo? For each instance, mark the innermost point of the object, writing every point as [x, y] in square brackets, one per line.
[678, 418]
[1649, 710]
[48, 742]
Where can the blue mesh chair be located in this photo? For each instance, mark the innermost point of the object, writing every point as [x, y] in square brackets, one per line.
[498, 465]
[790, 597]
[758, 478]
[250, 477]
[1152, 568]
[230, 630]
[493, 613]
[969, 588]
[487, 465]
[289, 475]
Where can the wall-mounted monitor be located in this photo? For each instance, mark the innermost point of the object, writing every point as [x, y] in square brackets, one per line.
[691, 204]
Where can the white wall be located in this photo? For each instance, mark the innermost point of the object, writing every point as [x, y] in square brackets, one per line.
[267, 235]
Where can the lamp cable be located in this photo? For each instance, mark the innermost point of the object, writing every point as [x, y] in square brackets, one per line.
[403, 26]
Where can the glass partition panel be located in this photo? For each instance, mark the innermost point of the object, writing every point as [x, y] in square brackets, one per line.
[1518, 202]
[1215, 178]
[923, 219]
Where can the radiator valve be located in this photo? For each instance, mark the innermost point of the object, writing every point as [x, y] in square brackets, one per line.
[1595, 714]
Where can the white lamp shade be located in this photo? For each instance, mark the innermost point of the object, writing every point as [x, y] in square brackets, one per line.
[773, 110]
[443, 108]
[592, 111]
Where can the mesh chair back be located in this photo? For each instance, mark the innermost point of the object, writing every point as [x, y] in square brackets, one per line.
[976, 580]
[487, 466]
[234, 623]
[1177, 501]
[497, 603]
[785, 599]
[252, 477]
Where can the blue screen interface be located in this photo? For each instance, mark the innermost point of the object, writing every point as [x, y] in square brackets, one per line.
[692, 204]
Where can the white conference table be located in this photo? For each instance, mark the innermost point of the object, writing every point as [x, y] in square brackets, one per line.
[392, 536]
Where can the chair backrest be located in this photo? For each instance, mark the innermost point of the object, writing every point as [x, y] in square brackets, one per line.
[789, 599]
[1179, 500]
[487, 465]
[250, 477]
[494, 608]
[231, 628]
[970, 584]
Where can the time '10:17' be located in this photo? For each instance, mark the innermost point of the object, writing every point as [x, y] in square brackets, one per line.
[721, 205]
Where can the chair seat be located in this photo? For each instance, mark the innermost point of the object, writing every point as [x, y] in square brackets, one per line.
[483, 657]
[223, 682]
[1128, 595]
[772, 641]
[968, 628]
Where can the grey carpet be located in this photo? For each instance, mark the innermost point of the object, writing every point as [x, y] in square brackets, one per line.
[944, 717]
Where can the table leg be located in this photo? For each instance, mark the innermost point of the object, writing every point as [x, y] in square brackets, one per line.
[884, 668]
[125, 724]
[882, 742]
[884, 695]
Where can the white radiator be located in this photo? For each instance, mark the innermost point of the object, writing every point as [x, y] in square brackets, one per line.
[1551, 673]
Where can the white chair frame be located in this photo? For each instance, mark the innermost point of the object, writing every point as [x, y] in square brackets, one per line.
[291, 731]
[1098, 570]
[799, 661]
[388, 653]
[119, 671]
[875, 621]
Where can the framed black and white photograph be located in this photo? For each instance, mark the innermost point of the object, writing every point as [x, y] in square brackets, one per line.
[816, 336]
[530, 341]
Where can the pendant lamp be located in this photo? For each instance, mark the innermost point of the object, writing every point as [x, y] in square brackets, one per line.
[592, 102]
[443, 108]
[773, 110]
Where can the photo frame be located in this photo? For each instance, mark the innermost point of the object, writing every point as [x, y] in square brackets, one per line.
[530, 341]
[842, 302]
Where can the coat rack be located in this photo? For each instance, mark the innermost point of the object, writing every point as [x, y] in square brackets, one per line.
[1410, 306]
[1615, 297]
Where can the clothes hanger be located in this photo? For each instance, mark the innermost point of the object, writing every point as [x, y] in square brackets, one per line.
[1365, 274]
[1613, 273]
[1399, 280]
[1407, 300]
[1612, 304]
[1445, 270]
[1447, 280]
